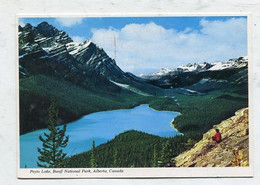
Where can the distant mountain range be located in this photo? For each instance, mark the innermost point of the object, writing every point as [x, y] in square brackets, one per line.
[195, 67]
[190, 74]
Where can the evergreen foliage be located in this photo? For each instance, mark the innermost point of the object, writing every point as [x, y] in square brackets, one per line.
[73, 101]
[166, 153]
[155, 156]
[115, 164]
[51, 154]
[93, 156]
[200, 113]
[133, 149]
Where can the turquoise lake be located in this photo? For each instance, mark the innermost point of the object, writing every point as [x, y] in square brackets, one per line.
[101, 127]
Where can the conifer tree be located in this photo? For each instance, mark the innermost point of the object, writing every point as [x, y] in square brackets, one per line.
[51, 154]
[166, 153]
[93, 156]
[115, 156]
[132, 165]
[155, 158]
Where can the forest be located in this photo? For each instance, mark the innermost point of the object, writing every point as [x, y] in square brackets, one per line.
[136, 149]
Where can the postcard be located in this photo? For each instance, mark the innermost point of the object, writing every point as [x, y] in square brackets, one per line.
[140, 96]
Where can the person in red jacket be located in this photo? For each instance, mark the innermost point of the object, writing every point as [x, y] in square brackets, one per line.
[217, 136]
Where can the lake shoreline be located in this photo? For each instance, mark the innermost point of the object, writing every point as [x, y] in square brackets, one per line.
[173, 126]
[105, 111]
[172, 121]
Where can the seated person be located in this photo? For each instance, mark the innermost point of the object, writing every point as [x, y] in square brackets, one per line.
[217, 136]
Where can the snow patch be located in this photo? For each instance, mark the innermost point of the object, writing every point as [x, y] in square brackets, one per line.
[76, 48]
[40, 39]
[130, 88]
[191, 91]
[47, 50]
[204, 80]
[21, 56]
[221, 66]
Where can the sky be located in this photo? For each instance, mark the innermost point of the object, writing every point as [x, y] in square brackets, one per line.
[147, 44]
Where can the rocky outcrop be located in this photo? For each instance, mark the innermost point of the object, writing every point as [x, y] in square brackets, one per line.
[233, 150]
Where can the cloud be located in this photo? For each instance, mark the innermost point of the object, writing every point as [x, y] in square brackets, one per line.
[143, 48]
[78, 39]
[67, 22]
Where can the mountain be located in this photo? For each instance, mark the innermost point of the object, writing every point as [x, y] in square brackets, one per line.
[191, 74]
[195, 67]
[54, 51]
[233, 150]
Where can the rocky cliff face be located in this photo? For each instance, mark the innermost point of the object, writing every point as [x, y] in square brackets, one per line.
[233, 150]
[45, 49]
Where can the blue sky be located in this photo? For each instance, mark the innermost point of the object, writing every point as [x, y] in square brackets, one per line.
[147, 44]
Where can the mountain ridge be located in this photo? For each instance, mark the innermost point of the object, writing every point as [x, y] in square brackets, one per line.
[49, 43]
[198, 67]
[45, 49]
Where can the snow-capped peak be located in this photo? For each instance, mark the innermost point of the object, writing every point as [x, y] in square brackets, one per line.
[231, 63]
[75, 48]
[162, 72]
[220, 66]
[196, 67]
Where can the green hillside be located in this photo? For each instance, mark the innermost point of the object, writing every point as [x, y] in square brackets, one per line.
[133, 149]
[200, 113]
[73, 101]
